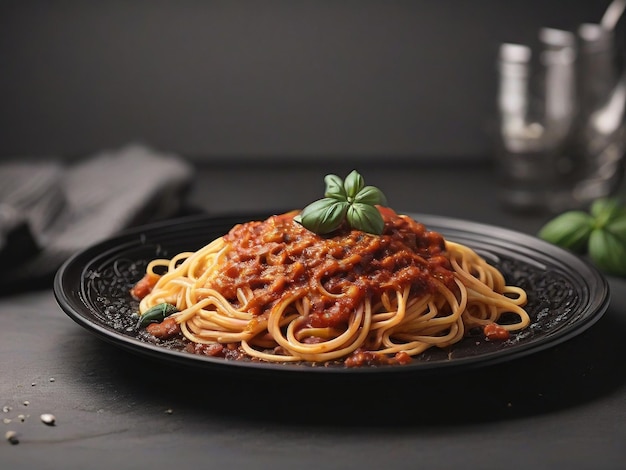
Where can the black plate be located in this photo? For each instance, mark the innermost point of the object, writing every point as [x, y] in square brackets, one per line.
[566, 294]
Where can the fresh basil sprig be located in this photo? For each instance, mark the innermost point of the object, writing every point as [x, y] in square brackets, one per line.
[600, 233]
[348, 201]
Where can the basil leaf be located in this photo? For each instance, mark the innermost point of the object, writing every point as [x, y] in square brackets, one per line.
[334, 188]
[353, 184]
[156, 314]
[608, 252]
[371, 195]
[365, 218]
[323, 216]
[606, 209]
[617, 227]
[569, 230]
[341, 196]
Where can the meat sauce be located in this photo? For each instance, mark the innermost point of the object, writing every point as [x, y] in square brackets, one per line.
[278, 258]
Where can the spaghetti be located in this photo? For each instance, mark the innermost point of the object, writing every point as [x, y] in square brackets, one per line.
[274, 291]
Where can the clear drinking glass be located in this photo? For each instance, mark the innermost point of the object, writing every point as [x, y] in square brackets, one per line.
[561, 137]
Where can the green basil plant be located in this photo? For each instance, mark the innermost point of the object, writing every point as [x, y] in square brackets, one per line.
[599, 233]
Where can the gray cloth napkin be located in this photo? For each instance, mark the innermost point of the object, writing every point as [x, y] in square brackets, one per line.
[50, 210]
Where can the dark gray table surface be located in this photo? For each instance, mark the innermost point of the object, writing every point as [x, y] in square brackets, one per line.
[564, 407]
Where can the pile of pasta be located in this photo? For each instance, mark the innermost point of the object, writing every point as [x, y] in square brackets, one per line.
[276, 292]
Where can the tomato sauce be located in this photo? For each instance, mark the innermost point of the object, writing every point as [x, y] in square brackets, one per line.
[144, 286]
[278, 257]
[495, 332]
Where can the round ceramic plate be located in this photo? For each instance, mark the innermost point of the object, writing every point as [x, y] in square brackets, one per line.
[566, 295]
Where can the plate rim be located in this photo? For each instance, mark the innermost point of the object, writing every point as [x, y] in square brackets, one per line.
[524, 243]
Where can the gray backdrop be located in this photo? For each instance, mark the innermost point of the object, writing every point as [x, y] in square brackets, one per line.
[254, 79]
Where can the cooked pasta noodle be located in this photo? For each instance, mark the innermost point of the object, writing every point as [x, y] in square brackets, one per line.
[276, 292]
